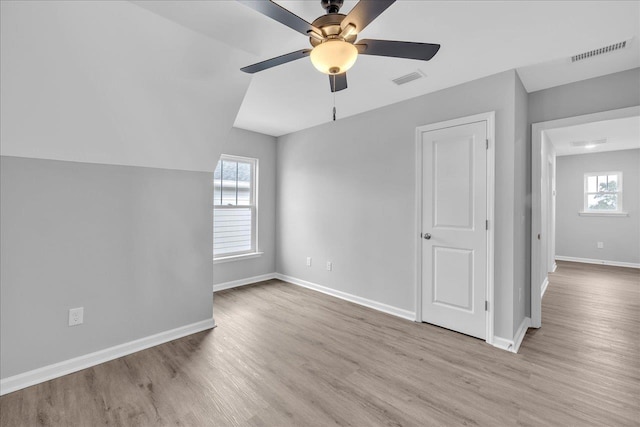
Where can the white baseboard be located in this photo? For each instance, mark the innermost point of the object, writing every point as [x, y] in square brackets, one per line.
[503, 343]
[46, 373]
[395, 311]
[544, 286]
[520, 333]
[242, 282]
[598, 261]
[513, 345]
[555, 267]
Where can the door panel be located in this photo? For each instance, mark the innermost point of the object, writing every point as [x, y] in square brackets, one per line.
[454, 214]
[453, 287]
[453, 192]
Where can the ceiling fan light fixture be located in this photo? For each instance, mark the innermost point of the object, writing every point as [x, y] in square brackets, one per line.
[334, 56]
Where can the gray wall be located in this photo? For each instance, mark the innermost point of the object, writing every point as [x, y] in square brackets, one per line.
[263, 148]
[610, 92]
[131, 245]
[346, 193]
[576, 236]
[522, 209]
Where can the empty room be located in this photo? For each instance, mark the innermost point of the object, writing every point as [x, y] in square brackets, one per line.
[319, 212]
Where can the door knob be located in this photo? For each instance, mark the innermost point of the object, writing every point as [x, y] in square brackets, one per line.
[427, 236]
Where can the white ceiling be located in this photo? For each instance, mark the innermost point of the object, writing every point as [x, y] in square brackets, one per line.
[478, 38]
[620, 134]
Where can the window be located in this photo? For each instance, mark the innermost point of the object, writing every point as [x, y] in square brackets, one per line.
[603, 192]
[234, 207]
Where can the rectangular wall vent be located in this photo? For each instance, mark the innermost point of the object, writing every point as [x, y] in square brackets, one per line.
[601, 51]
[408, 78]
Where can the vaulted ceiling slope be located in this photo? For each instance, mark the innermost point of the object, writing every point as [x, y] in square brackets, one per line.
[478, 38]
[109, 82]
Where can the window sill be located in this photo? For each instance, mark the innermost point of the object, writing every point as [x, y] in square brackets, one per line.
[237, 257]
[583, 213]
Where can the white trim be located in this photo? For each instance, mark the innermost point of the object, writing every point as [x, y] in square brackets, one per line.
[586, 209]
[598, 261]
[555, 267]
[513, 345]
[543, 287]
[503, 343]
[520, 333]
[491, 197]
[489, 118]
[592, 213]
[418, 228]
[240, 257]
[243, 282]
[395, 311]
[536, 193]
[253, 252]
[46, 373]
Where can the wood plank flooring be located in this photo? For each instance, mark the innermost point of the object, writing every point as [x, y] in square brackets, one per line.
[287, 356]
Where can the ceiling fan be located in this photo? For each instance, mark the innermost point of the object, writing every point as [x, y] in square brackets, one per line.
[333, 37]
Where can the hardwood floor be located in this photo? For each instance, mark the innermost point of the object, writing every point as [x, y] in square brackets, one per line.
[284, 355]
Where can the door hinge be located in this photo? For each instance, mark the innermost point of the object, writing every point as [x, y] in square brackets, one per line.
[486, 306]
[487, 143]
[486, 224]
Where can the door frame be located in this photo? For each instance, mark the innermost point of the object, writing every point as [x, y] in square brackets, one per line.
[489, 118]
[539, 278]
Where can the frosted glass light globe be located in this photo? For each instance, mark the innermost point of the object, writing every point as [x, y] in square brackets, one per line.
[334, 56]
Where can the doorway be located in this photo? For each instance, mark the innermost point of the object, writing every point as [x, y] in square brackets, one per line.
[455, 191]
[543, 227]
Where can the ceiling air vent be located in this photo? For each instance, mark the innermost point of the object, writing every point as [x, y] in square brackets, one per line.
[585, 143]
[596, 52]
[408, 78]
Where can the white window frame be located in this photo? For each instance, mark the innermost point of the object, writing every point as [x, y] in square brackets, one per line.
[586, 211]
[253, 252]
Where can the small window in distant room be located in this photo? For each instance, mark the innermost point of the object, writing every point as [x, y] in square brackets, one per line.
[603, 192]
[234, 207]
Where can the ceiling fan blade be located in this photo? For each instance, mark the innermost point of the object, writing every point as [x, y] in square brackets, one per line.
[395, 49]
[278, 60]
[338, 82]
[365, 12]
[282, 15]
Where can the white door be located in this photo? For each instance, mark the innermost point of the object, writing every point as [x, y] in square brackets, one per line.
[454, 227]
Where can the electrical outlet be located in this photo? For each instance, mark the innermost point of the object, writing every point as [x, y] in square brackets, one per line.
[76, 316]
[308, 261]
[600, 245]
[329, 266]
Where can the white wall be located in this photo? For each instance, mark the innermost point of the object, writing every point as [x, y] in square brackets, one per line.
[261, 147]
[109, 115]
[346, 194]
[576, 236]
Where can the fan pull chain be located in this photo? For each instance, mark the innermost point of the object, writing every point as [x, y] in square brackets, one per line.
[334, 97]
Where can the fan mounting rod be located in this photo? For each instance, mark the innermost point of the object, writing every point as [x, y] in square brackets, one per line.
[332, 6]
